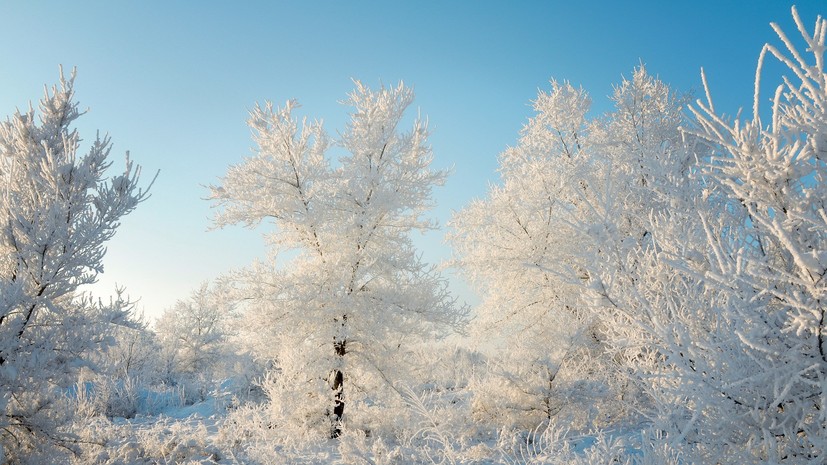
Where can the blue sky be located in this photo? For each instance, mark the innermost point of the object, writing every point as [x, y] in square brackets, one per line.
[172, 81]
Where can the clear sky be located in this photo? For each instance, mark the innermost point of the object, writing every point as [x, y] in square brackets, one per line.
[172, 82]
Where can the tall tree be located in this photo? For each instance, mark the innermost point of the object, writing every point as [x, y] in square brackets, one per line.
[356, 290]
[757, 375]
[554, 245]
[57, 209]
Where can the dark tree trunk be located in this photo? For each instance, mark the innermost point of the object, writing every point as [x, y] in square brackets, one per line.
[338, 386]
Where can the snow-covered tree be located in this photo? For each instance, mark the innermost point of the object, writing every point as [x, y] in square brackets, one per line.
[752, 378]
[718, 314]
[133, 349]
[57, 209]
[355, 292]
[134, 354]
[555, 242]
[193, 335]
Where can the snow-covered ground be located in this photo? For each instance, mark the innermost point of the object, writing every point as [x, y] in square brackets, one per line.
[218, 430]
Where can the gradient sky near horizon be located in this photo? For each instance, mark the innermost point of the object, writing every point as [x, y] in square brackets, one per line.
[172, 82]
